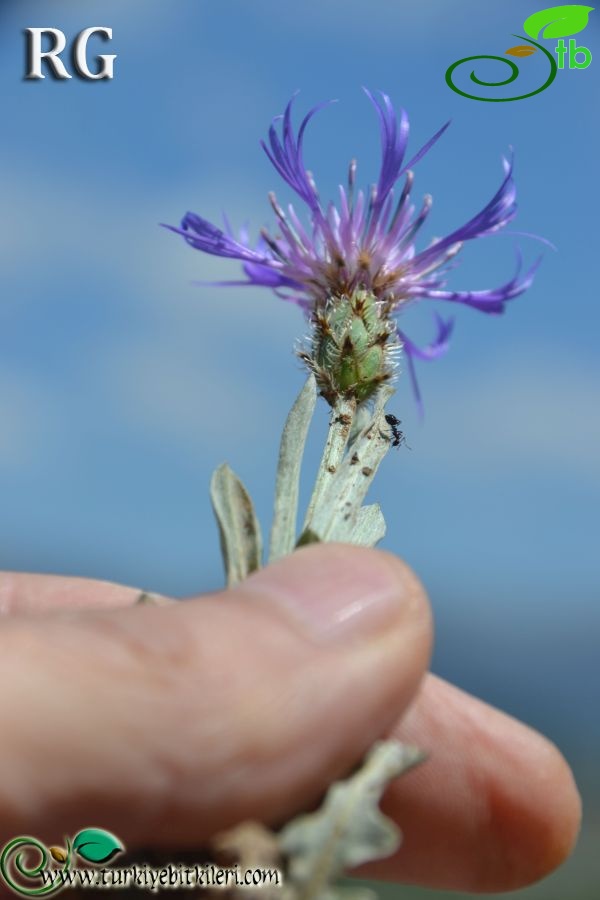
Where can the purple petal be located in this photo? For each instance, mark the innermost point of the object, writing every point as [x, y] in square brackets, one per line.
[437, 347]
[258, 276]
[424, 149]
[267, 276]
[534, 237]
[286, 154]
[414, 383]
[500, 210]
[394, 138]
[203, 235]
[490, 301]
[434, 350]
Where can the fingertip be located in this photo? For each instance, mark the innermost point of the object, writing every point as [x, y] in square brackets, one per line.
[338, 586]
[530, 834]
[494, 807]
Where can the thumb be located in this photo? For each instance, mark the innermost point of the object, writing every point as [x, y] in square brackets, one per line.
[165, 724]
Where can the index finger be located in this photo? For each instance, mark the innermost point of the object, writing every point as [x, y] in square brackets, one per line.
[24, 593]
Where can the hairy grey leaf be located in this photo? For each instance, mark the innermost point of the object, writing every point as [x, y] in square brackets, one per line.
[293, 439]
[370, 526]
[335, 514]
[360, 422]
[349, 828]
[340, 424]
[239, 530]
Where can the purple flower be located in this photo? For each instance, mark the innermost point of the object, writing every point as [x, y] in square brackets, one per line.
[366, 242]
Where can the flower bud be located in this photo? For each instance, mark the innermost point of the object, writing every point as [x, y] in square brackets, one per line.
[352, 347]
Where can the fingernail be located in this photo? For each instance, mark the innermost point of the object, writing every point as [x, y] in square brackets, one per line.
[338, 591]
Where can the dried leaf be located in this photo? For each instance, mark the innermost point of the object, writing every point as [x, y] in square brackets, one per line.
[521, 50]
[239, 530]
[349, 829]
[293, 439]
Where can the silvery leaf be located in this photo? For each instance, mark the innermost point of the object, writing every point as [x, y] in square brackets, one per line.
[239, 530]
[370, 526]
[340, 427]
[349, 828]
[336, 512]
[293, 439]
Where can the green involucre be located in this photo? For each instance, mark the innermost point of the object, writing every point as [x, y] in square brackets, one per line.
[351, 349]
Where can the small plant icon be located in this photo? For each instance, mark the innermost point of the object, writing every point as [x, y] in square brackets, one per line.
[94, 845]
[553, 22]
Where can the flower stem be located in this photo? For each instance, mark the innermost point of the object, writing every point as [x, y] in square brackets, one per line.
[338, 512]
[340, 424]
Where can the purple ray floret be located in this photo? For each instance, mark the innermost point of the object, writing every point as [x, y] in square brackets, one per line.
[368, 240]
[203, 235]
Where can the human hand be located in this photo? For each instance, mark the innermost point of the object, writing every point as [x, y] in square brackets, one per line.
[166, 724]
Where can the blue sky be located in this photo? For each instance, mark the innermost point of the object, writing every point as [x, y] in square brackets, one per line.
[122, 385]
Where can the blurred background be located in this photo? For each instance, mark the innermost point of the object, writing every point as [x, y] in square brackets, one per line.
[123, 385]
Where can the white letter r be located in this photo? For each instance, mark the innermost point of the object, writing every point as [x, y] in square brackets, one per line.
[52, 56]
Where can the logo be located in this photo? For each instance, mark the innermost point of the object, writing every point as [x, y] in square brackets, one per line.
[93, 845]
[30, 869]
[554, 22]
[36, 55]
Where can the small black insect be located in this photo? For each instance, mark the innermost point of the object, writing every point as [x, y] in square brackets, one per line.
[398, 436]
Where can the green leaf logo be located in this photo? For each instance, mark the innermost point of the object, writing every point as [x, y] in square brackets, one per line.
[557, 21]
[96, 845]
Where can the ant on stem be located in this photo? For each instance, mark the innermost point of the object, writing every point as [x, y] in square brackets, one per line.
[398, 436]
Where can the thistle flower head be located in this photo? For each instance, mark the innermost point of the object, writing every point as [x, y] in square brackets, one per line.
[356, 265]
[352, 346]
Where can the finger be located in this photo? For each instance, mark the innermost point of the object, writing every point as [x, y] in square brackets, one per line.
[494, 808]
[167, 724]
[23, 593]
